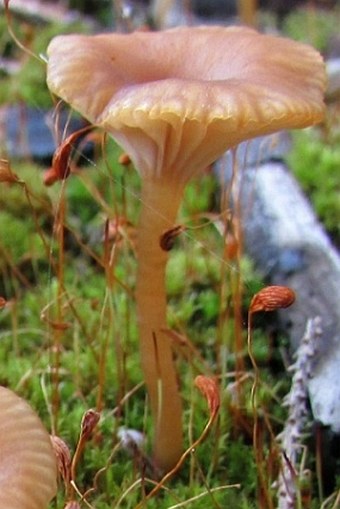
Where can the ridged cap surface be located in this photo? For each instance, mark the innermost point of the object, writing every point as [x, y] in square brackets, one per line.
[27, 463]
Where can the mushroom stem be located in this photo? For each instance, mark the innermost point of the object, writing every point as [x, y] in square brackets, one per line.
[160, 202]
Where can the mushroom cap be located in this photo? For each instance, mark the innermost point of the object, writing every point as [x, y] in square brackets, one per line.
[28, 472]
[176, 100]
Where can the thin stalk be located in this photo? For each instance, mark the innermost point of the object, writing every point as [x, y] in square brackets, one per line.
[58, 332]
[160, 202]
[105, 329]
[235, 276]
[247, 12]
[257, 445]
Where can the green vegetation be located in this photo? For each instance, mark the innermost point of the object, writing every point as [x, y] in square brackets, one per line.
[68, 338]
[315, 156]
[313, 26]
[26, 81]
[68, 333]
[315, 162]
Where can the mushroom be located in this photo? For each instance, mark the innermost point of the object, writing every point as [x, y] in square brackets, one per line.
[175, 101]
[28, 472]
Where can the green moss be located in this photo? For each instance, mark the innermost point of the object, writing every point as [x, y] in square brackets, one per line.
[316, 165]
[21, 251]
[73, 316]
[315, 27]
[92, 325]
[28, 84]
[15, 199]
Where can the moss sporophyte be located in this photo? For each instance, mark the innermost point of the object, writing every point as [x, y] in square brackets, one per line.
[175, 101]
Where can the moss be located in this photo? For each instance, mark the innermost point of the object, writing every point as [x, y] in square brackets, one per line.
[316, 165]
[315, 27]
[28, 83]
[21, 249]
[81, 323]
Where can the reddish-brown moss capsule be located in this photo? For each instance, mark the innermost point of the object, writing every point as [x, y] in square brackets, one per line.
[168, 238]
[209, 389]
[63, 456]
[6, 174]
[271, 298]
[89, 422]
[124, 159]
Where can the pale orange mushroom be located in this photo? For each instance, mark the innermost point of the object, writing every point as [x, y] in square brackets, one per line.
[176, 101]
[28, 471]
